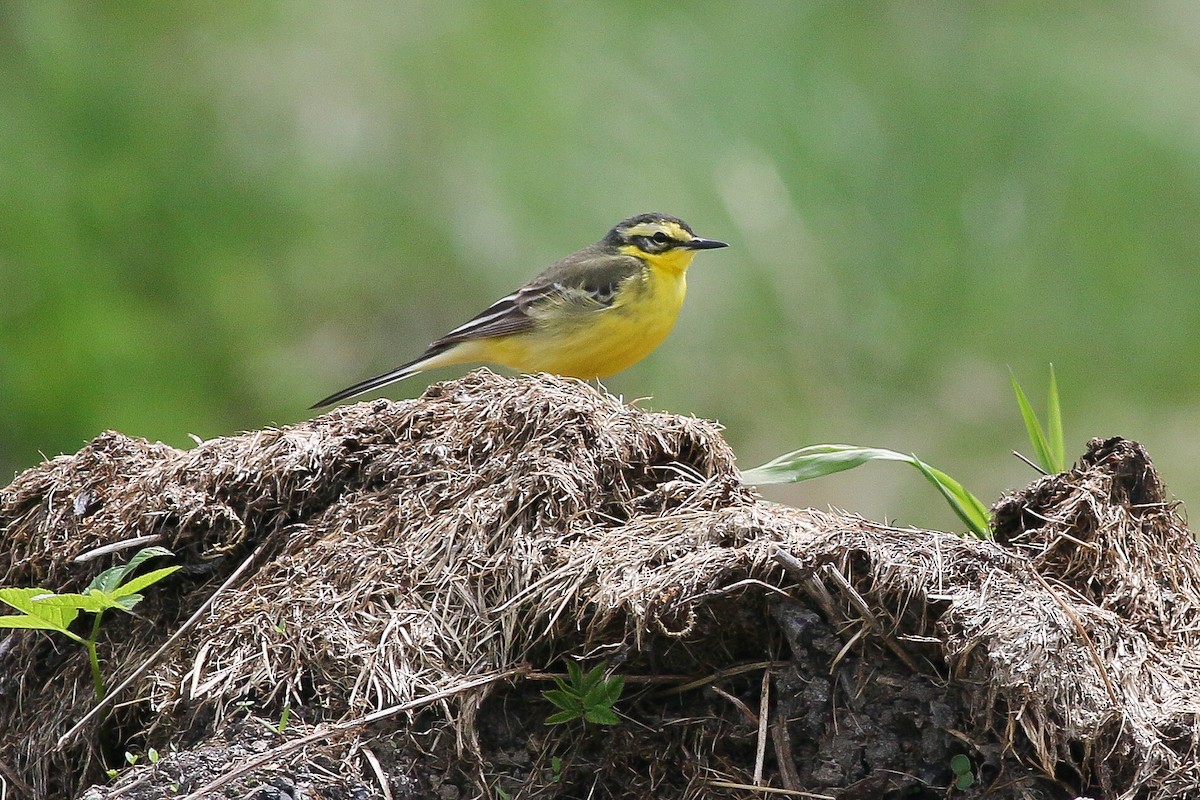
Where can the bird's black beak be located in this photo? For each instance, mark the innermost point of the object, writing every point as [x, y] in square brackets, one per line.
[704, 244]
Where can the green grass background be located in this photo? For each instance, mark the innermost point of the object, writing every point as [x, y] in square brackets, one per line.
[212, 214]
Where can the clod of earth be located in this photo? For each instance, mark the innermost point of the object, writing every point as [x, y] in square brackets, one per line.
[424, 567]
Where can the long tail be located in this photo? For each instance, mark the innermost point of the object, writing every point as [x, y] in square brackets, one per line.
[428, 359]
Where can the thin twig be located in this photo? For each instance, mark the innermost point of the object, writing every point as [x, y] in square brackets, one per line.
[116, 547]
[737, 703]
[764, 708]
[721, 675]
[783, 752]
[157, 654]
[343, 727]
[10, 774]
[378, 770]
[861, 606]
[549, 676]
[1024, 458]
[815, 589]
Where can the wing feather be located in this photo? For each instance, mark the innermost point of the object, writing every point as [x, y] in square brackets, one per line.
[584, 281]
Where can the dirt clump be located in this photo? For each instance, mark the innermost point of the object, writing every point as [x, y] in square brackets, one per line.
[414, 574]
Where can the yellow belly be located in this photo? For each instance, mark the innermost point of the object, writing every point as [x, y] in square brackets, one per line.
[595, 343]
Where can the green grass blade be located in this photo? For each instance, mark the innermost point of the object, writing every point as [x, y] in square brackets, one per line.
[1054, 425]
[816, 461]
[825, 459]
[964, 504]
[1037, 439]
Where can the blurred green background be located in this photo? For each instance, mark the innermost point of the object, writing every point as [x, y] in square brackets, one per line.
[212, 214]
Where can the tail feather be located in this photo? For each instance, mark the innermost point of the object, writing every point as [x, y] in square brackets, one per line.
[427, 360]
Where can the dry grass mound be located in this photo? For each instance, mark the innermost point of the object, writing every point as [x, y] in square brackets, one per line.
[421, 567]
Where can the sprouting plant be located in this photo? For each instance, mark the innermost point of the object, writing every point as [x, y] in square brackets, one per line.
[825, 459]
[42, 609]
[1047, 443]
[819, 460]
[964, 774]
[284, 716]
[556, 766]
[588, 697]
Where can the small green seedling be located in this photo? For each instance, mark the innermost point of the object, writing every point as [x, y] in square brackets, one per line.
[588, 697]
[555, 769]
[819, 460]
[284, 716]
[964, 775]
[42, 609]
[1047, 443]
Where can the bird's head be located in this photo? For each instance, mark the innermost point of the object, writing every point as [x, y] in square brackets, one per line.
[658, 239]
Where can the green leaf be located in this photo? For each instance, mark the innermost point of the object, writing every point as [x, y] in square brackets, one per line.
[960, 764]
[32, 602]
[564, 700]
[595, 697]
[143, 581]
[128, 602]
[26, 622]
[108, 580]
[574, 673]
[614, 686]
[1054, 425]
[601, 716]
[965, 780]
[592, 679]
[1037, 439]
[91, 602]
[560, 717]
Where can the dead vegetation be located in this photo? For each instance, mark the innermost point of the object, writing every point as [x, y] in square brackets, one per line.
[419, 568]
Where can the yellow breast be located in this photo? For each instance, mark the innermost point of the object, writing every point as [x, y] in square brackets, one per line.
[599, 343]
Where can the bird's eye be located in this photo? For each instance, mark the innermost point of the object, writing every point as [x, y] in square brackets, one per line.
[661, 238]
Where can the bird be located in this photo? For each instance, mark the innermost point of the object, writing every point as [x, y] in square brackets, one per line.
[589, 315]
